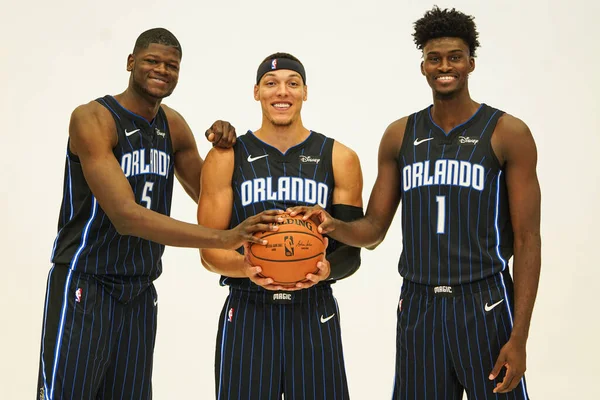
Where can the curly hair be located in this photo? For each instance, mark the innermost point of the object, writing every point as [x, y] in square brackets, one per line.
[437, 23]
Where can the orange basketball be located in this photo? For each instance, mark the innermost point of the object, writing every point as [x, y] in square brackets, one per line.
[291, 252]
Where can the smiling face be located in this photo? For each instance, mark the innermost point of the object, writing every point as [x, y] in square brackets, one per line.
[281, 93]
[447, 64]
[154, 70]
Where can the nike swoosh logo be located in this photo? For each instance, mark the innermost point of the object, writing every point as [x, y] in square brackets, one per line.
[489, 308]
[155, 302]
[251, 159]
[131, 133]
[323, 320]
[418, 142]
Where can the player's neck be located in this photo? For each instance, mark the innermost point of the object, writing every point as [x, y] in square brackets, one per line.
[450, 112]
[282, 137]
[139, 104]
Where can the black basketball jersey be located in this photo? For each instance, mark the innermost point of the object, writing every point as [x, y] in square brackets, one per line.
[265, 179]
[455, 217]
[87, 241]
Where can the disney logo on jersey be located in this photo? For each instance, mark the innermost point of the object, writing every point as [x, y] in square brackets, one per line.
[467, 140]
[309, 159]
[160, 133]
[284, 188]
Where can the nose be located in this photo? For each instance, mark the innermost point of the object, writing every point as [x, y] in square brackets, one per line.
[281, 89]
[444, 65]
[160, 68]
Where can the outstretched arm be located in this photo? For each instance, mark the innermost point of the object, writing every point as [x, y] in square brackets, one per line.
[370, 230]
[515, 148]
[92, 135]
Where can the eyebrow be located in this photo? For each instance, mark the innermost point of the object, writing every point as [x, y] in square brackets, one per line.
[174, 60]
[292, 75]
[450, 51]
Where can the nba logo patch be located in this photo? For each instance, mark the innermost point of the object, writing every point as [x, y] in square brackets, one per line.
[230, 315]
[400, 305]
[78, 295]
[274, 64]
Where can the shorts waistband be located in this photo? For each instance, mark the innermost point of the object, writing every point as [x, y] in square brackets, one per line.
[282, 296]
[458, 290]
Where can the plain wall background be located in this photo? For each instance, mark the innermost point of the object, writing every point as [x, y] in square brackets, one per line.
[537, 61]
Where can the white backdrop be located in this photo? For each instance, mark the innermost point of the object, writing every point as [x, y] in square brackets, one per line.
[537, 61]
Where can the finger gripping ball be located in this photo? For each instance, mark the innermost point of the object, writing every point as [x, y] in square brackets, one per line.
[291, 252]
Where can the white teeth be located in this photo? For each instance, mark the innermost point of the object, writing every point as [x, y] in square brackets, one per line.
[281, 105]
[445, 78]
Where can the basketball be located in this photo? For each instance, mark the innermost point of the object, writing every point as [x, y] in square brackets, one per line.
[291, 252]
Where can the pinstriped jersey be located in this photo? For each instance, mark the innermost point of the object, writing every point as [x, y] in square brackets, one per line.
[455, 217]
[87, 241]
[264, 179]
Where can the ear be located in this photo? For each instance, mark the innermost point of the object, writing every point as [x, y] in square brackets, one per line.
[305, 97]
[471, 64]
[256, 97]
[422, 69]
[130, 62]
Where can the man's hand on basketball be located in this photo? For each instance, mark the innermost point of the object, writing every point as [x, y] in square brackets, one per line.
[324, 221]
[266, 221]
[253, 272]
[512, 357]
[323, 271]
[221, 134]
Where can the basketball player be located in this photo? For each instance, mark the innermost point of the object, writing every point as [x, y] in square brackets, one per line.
[272, 342]
[466, 173]
[99, 321]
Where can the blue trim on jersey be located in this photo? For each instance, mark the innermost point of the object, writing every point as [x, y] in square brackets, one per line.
[110, 108]
[61, 327]
[44, 334]
[84, 235]
[132, 113]
[276, 149]
[223, 337]
[503, 284]
[70, 186]
[457, 126]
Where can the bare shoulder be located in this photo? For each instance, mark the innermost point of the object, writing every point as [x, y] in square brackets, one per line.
[177, 123]
[344, 155]
[181, 133]
[91, 123]
[512, 138]
[393, 136]
[92, 113]
[511, 126]
[219, 157]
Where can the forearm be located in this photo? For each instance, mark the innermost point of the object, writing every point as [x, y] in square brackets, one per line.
[344, 261]
[224, 262]
[362, 232]
[138, 221]
[526, 270]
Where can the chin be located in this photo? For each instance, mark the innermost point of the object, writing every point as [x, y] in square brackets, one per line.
[281, 122]
[158, 94]
[446, 94]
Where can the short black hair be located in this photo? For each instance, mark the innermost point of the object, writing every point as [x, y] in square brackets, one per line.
[437, 23]
[282, 55]
[158, 36]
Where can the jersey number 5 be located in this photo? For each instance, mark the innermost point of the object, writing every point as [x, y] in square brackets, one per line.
[146, 194]
[441, 217]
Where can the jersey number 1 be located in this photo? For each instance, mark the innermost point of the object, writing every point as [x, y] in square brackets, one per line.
[441, 222]
[146, 195]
